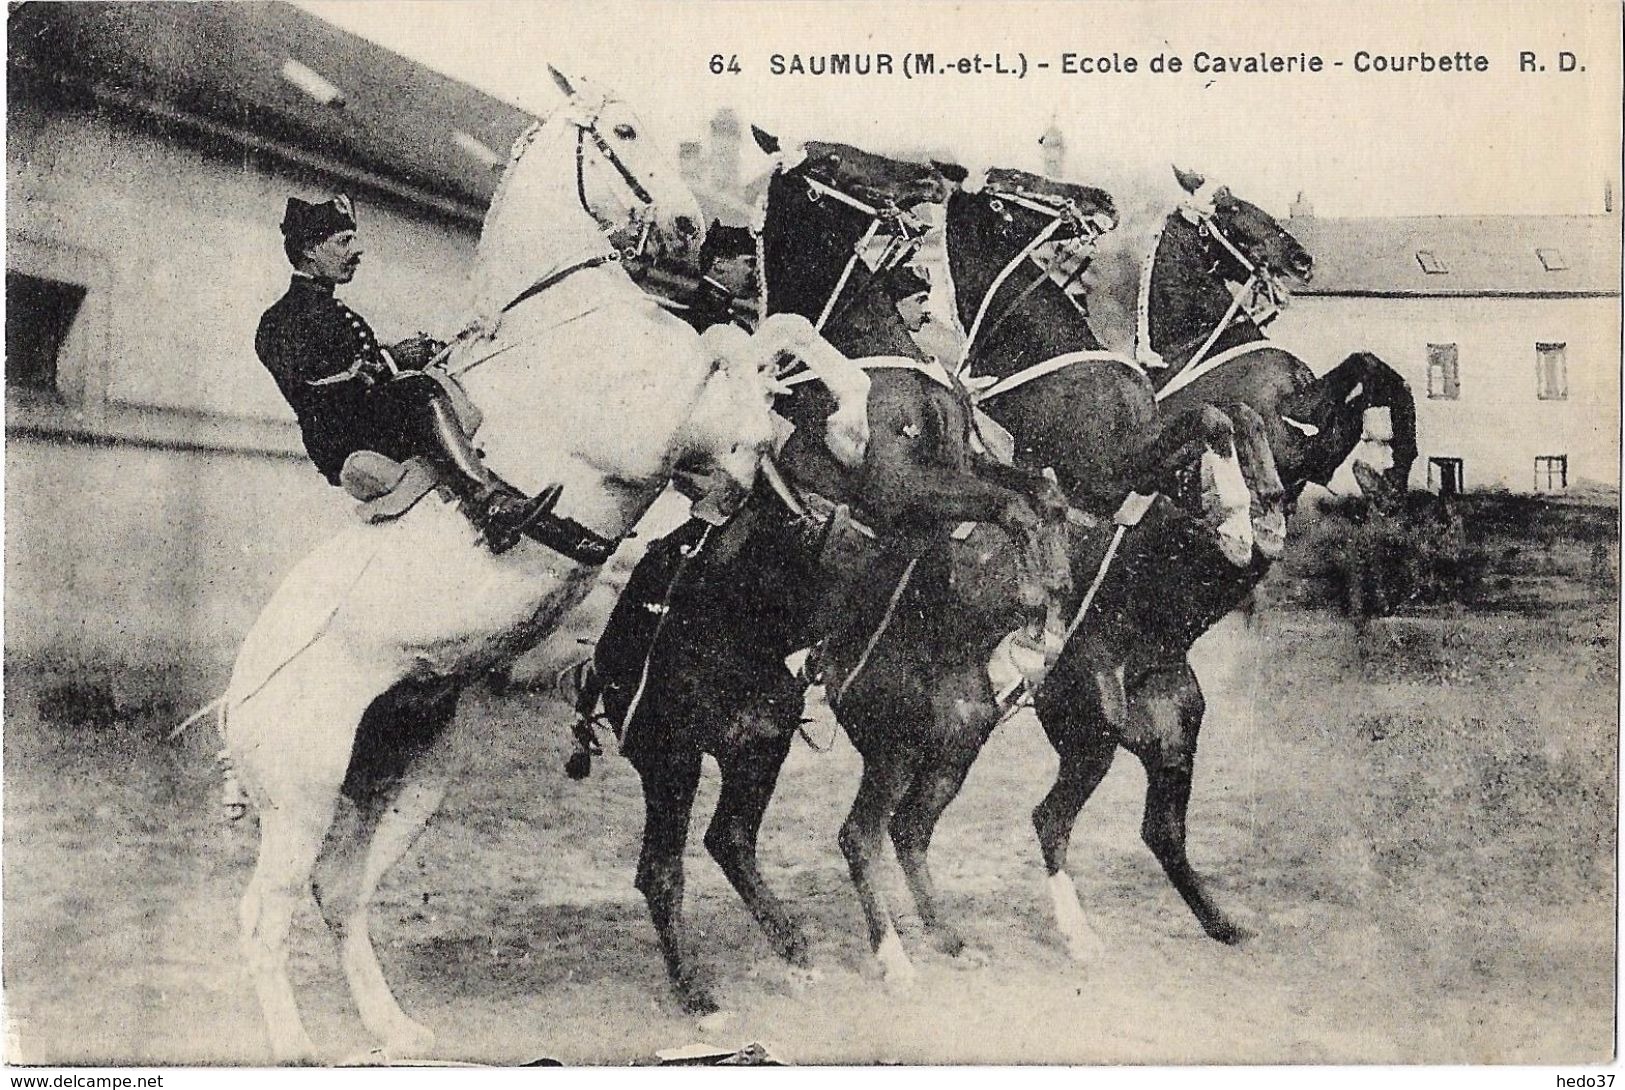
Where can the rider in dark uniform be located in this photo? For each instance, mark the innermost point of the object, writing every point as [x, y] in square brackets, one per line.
[909, 290]
[727, 289]
[328, 363]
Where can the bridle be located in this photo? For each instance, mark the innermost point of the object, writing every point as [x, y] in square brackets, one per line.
[904, 232]
[1261, 297]
[588, 127]
[1070, 256]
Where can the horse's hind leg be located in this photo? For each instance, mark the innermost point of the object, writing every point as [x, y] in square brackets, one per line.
[887, 775]
[749, 774]
[291, 744]
[669, 783]
[1165, 715]
[916, 817]
[393, 808]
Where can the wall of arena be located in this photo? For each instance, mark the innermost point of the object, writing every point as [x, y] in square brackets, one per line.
[1497, 426]
[154, 498]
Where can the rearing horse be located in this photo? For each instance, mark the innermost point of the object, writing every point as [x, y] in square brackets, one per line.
[918, 704]
[692, 660]
[348, 680]
[1124, 680]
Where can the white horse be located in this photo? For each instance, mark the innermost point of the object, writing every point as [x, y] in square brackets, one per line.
[353, 667]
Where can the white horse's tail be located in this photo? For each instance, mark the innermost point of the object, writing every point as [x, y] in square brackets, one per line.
[217, 705]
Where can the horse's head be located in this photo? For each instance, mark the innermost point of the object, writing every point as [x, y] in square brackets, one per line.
[624, 180]
[1017, 195]
[1011, 216]
[826, 199]
[1242, 237]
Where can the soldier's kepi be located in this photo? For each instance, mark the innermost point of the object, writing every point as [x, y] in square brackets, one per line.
[352, 394]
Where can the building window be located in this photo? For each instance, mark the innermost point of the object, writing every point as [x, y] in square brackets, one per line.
[39, 314]
[1552, 260]
[1444, 377]
[1551, 371]
[1430, 263]
[1551, 473]
[1445, 476]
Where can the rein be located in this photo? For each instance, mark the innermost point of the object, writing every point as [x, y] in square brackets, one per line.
[1260, 284]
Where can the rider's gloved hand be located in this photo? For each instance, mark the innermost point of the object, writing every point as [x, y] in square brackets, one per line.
[415, 352]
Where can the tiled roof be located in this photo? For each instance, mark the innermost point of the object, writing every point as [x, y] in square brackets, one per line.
[1470, 255]
[263, 69]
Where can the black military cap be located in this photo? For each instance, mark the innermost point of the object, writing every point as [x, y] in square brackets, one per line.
[305, 224]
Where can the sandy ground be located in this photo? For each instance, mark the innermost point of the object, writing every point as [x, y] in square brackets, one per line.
[1419, 821]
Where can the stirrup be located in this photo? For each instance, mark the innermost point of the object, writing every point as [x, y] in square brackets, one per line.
[233, 799]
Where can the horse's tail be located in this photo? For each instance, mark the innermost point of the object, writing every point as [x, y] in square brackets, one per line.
[217, 705]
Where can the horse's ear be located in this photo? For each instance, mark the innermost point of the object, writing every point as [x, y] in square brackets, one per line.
[563, 83]
[951, 171]
[1189, 181]
[1222, 195]
[765, 140]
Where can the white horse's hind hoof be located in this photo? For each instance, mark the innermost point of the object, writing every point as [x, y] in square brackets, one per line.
[1269, 534]
[896, 970]
[1235, 538]
[408, 1041]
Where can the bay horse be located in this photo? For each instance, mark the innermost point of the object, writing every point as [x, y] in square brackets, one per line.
[347, 682]
[693, 657]
[1124, 679]
[921, 706]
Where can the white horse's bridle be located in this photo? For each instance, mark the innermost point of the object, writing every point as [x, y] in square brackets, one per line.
[588, 126]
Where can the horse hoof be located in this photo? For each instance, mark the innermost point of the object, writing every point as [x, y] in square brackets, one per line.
[1229, 932]
[1236, 547]
[1087, 949]
[408, 1041]
[718, 1021]
[1269, 535]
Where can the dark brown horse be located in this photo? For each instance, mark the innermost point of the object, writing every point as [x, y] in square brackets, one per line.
[917, 708]
[693, 658]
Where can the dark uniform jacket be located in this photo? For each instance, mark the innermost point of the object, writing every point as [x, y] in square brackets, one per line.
[711, 304]
[307, 336]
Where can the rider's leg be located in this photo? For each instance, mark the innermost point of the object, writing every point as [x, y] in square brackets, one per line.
[496, 508]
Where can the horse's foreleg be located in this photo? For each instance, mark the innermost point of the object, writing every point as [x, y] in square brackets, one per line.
[1263, 481]
[1165, 715]
[886, 779]
[669, 783]
[847, 428]
[749, 775]
[1082, 719]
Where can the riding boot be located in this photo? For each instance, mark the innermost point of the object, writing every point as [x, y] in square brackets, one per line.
[498, 510]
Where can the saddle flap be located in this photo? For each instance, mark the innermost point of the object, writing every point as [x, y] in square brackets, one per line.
[386, 488]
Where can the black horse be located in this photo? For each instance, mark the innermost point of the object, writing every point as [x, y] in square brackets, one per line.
[692, 660]
[916, 708]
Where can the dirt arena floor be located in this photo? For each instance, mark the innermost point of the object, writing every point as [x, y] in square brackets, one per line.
[1418, 819]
